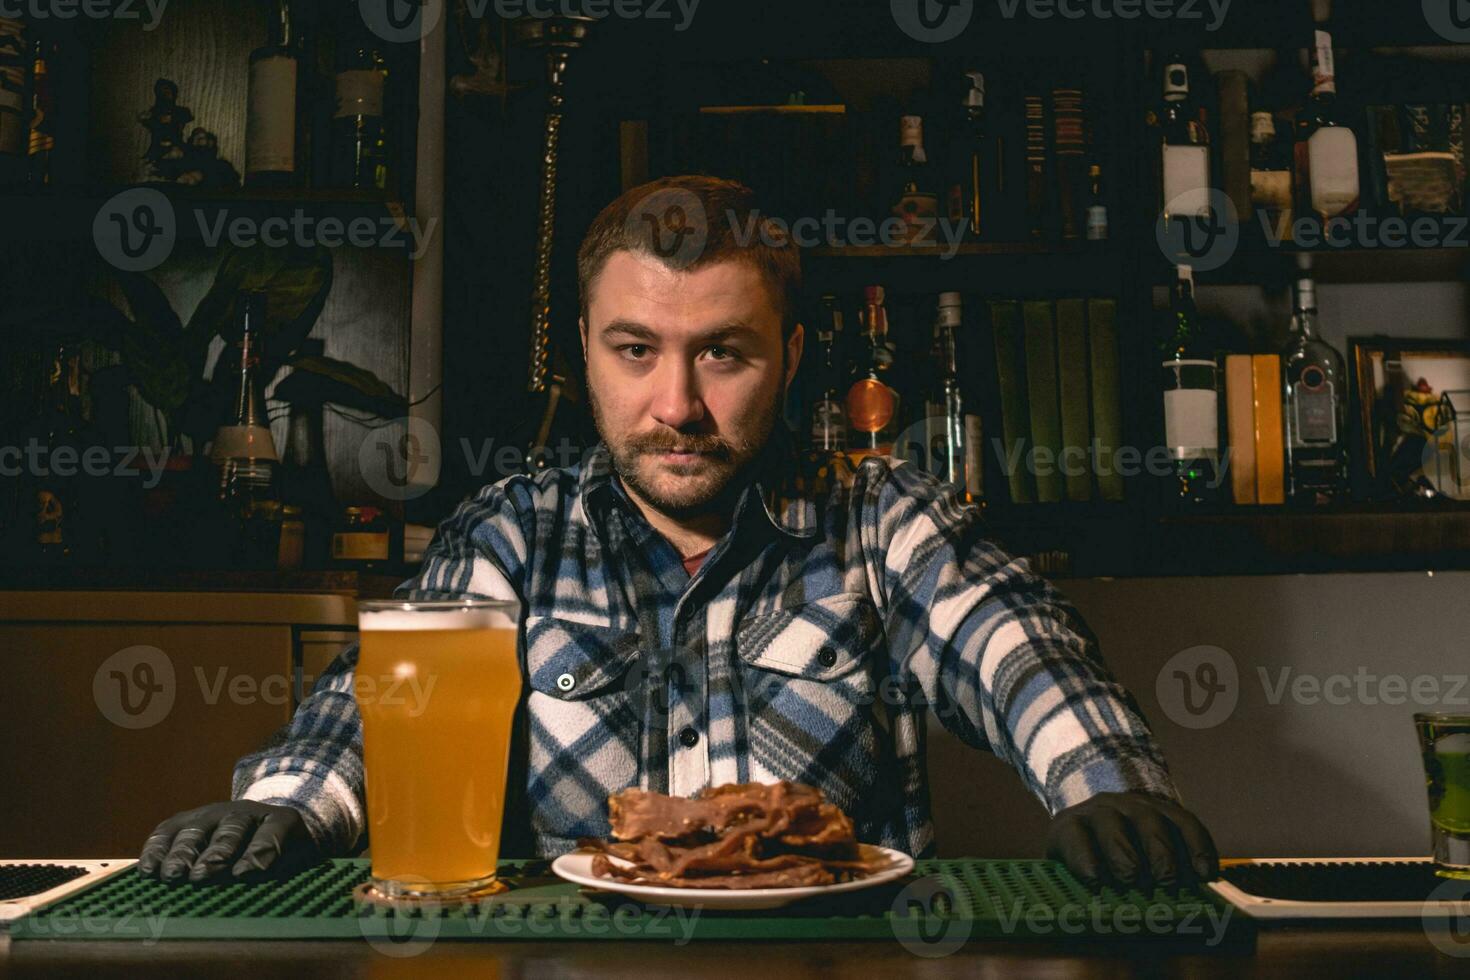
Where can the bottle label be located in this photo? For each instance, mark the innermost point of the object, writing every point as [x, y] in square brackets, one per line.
[1191, 408]
[911, 132]
[270, 126]
[1097, 223]
[974, 468]
[360, 545]
[1176, 82]
[829, 425]
[359, 93]
[1323, 73]
[1187, 180]
[1314, 408]
[1332, 154]
[1263, 127]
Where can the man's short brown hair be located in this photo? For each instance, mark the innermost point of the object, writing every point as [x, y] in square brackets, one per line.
[691, 221]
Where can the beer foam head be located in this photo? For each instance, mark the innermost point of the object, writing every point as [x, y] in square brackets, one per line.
[436, 616]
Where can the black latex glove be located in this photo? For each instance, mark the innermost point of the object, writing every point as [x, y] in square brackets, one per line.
[243, 839]
[1132, 840]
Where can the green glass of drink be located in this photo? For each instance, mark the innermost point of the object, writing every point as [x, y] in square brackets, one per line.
[1444, 742]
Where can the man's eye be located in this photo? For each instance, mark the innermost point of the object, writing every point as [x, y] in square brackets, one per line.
[634, 351]
[722, 353]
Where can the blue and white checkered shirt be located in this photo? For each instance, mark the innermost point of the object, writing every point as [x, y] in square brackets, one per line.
[807, 647]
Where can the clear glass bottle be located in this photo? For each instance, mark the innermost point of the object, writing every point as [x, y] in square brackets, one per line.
[872, 401]
[826, 459]
[1314, 406]
[1184, 148]
[1191, 388]
[359, 128]
[975, 173]
[243, 451]
[953, 430]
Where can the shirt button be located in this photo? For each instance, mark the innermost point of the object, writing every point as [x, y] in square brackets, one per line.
[566, 682]
[827, 657]
[688, 738]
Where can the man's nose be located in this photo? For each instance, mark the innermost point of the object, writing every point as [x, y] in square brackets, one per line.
[676, 399]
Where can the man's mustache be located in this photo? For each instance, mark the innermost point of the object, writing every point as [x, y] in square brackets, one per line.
[657, 442]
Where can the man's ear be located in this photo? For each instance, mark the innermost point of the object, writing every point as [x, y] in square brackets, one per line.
[794, 346]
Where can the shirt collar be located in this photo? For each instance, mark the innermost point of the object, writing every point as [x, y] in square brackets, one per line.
[772, 488]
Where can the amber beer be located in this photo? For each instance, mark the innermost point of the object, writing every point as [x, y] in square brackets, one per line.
[437, 685]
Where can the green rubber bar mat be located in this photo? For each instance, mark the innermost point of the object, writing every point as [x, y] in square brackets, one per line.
[943, 901]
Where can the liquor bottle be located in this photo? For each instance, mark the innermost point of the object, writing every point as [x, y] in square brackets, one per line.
[975, 175]
[359, 130]
[1097, 209]
[1328, 150]
[953, 430]
[1191, 386]
[14, 138]
[1270, 175]
[243, 452]
[918, 206]
[872, 401]
[1315, 406]
[826, 450]
[43, 126]
[305, 482]
[1184, 147]
[365, 541]
[270, 122]
[53, 512]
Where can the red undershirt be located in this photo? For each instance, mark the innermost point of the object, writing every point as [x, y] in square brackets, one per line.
[692, 563]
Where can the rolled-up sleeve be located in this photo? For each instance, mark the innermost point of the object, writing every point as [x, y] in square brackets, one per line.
[1003, 659]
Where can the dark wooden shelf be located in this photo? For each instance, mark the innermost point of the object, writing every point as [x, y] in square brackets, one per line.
[360, 584]
[1008, 268]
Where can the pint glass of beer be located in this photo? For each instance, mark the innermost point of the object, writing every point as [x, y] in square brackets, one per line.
[436, 686]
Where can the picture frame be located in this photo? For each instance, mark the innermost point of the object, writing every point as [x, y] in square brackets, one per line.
[1411, 417]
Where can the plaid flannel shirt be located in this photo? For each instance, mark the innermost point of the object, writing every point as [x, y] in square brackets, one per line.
[809, 647]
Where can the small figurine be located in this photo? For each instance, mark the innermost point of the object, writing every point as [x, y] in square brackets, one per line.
[202, 166]
[165, 121]
[1416, 421]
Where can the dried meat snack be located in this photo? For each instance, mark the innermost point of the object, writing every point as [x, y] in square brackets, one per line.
[740, 835]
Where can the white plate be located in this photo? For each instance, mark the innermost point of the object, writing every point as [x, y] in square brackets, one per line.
[577, 867]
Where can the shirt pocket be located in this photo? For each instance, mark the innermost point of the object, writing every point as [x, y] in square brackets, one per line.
[827, 639]
[573, 661]
[585, 724]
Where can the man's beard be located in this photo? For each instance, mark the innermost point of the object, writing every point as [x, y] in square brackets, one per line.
[709, 484]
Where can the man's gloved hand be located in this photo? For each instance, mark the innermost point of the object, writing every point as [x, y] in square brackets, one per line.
[1132, 840]
[242, 839]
